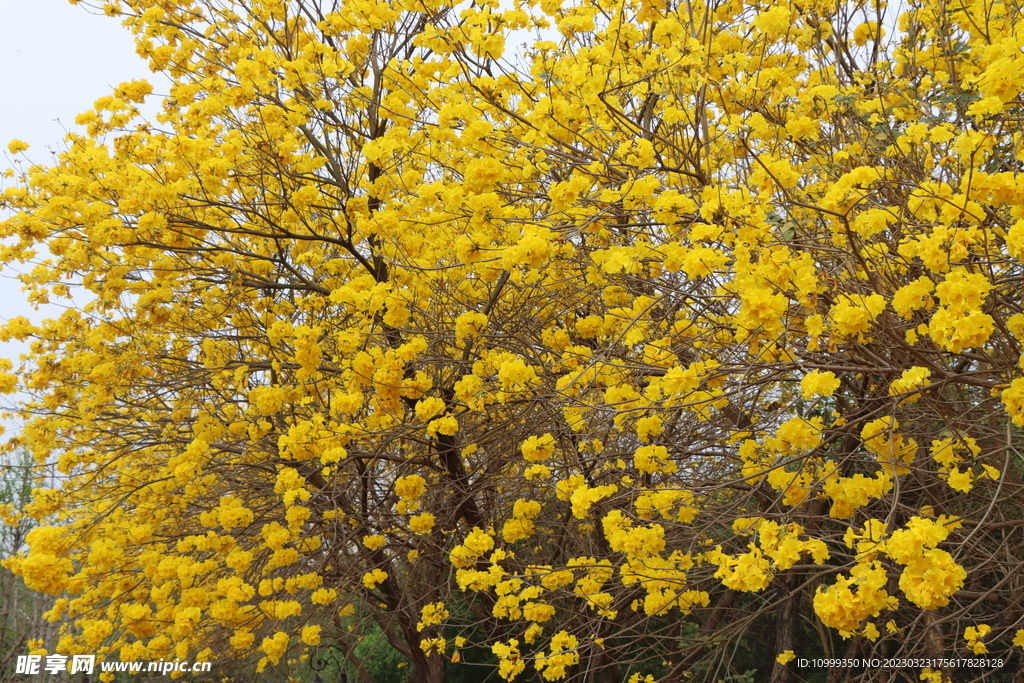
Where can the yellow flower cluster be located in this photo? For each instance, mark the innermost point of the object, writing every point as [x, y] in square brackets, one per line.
[374, 577]
[949, 453]
[959, 323]
[584, 497]
[410, 489]
[422, 523]
[819, 384]
[778, 549]
[666, 500]
[930, 575]
[432, 614]
[476, 543]
[510, 661]
[974, 636]
[521, 524]
[851, 599]
[853, 315]
[848, 494]
[564, 653]
[538, 448]
[909, 383]
[634, 541]
[893, 452]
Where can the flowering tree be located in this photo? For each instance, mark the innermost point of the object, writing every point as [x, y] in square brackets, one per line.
[605, 352]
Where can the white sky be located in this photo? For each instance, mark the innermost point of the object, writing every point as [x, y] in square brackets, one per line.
[58, 59]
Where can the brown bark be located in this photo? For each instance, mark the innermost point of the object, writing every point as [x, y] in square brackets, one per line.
[786, 624]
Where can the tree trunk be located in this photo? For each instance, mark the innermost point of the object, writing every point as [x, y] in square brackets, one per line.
[786, 624]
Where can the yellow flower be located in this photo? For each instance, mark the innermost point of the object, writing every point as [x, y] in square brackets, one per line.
[447, 425]
[275, 646]
[242, 639]
[267, 400]
[960, 480]
[1018, 638]
[873, 221]
[514, 374]
[748, 572]
[429, 645]
[890, 448]
[785, 657]
[841, 608]
[762, 311]
[652, 459]
[538, 448]
[427, 408]
[477, 543]
[231, 514]
[186, 620]
[1013, 399]
[819, 384]
[913, 296]
[537, 472]
[583, 498]
[798, 434]
[853, 316]
[510, 663]
[865, 32]
[909, 381]
[373, 577]
[469, 325]
[774, 22]
[421, 523]
[410, 487]
[536, 611]
[432, 614]
[374, 542]
[974, 635]
[310, 635]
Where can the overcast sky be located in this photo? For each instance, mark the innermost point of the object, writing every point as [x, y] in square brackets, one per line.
[58, 59]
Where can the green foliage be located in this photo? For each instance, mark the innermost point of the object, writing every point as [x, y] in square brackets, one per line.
[383, 662]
